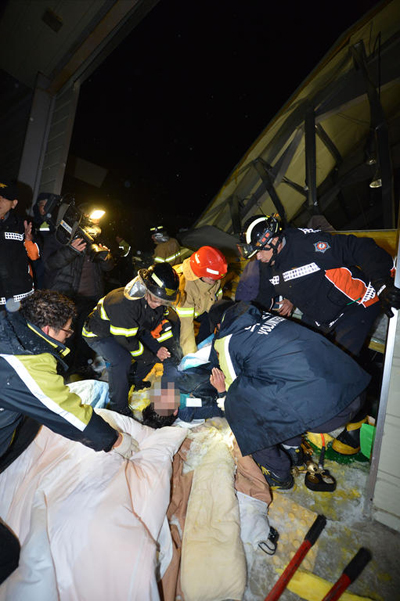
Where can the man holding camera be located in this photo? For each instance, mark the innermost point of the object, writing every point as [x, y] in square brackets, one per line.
[76, 268]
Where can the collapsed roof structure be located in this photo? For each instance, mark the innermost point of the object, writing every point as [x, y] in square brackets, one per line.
[333, 148]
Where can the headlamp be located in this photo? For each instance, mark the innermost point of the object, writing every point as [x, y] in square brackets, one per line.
[247, 250]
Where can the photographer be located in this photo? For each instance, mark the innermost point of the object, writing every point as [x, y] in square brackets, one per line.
[75, 266]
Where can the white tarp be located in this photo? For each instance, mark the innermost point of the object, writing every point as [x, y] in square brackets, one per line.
[91, 525]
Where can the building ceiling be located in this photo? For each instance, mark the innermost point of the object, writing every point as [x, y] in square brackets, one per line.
[63, 39]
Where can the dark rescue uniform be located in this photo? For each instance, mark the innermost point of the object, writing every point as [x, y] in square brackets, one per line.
[282, 380]
[15, 279]
[119, 329]
[332, 279]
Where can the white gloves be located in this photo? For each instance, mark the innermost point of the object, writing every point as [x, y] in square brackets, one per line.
[128, 447]
[221, 403]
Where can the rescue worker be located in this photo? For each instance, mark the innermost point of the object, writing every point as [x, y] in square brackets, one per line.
[32, 346]
[16, 248]
[336, 281]
[277, 380]
[167, 249]
[200, 288]
[119, 328]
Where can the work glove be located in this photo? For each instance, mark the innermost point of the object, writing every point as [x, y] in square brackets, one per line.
[128, 447]
[389, 295]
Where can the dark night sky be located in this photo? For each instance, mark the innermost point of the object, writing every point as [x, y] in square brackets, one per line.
[174, 108]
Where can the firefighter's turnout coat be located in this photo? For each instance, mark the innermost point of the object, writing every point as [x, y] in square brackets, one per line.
[282, 378]
[197, 297]
[128, 321]
[168, 252]
[322, 274]
[30, 385]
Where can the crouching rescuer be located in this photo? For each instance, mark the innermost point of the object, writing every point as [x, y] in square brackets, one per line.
[120, 329]
[32, 393]
[278, 379]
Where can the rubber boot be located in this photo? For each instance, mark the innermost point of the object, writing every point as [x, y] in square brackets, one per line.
[348, 441]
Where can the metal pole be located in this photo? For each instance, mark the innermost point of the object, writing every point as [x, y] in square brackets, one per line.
[311, 161]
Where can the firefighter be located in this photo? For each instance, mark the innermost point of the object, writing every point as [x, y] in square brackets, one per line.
[200, 288]
[339, 283]
[119, 328]
[167, 249]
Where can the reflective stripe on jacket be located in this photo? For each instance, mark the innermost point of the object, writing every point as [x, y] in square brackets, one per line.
[197, 298]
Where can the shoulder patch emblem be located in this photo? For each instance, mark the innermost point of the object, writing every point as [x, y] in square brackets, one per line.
[321, 247]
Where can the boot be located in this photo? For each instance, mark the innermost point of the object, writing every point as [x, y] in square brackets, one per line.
[275, 483]
[348, 441]
[296, 455]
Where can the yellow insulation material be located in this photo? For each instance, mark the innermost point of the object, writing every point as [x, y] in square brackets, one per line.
[313, 588]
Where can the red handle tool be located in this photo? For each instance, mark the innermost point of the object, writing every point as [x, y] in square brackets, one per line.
[309, 539]
[349, 574]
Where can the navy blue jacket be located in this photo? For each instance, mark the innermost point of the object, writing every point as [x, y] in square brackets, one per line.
[30, 385]
[320, 273]
[283, 378]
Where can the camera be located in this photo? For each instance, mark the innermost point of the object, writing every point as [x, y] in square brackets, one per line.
[70, 223]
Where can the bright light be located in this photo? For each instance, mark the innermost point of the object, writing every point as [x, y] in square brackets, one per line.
[97, 214]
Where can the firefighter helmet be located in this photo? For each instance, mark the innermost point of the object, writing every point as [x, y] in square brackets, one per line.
[257, 234]
[208, 262]
[161, 281]
[159, 234]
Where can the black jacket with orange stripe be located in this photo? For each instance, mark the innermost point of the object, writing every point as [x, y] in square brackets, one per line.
[322, 274]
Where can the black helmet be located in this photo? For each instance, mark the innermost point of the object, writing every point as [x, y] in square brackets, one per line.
[159, 234]
[162, 281]
[257, 234]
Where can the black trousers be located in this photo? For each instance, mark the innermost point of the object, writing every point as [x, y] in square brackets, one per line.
[351, 329]
[119, 362]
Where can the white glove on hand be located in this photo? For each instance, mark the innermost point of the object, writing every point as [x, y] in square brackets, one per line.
[221, 403]
[128, 447]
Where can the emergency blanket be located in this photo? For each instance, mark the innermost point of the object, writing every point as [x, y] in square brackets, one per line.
[91, 525]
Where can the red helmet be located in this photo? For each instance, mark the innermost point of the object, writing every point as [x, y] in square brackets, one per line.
[208, 262]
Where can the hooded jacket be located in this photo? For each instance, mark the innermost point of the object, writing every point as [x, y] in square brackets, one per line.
[30, 385]
[282, 378]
